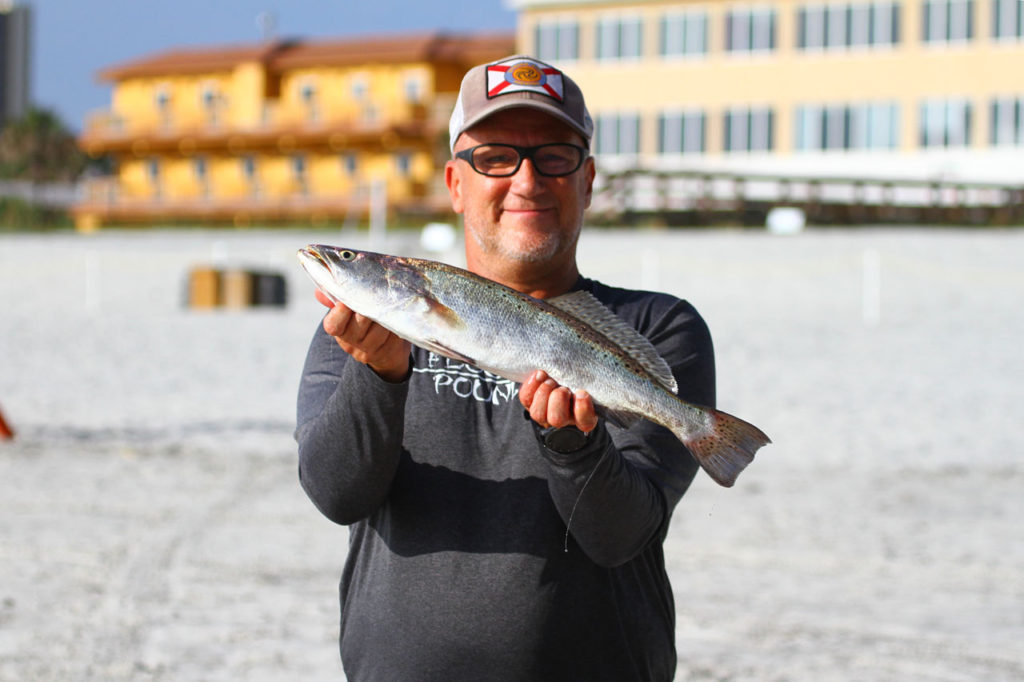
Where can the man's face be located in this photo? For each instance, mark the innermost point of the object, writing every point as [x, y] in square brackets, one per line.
[527, 217]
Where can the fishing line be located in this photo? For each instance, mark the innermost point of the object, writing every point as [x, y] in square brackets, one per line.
[572, 513]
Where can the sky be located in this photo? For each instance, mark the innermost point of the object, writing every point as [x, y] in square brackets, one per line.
[75, 39]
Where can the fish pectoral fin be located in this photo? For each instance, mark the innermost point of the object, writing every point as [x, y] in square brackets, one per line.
[441, 349]
[450, 317]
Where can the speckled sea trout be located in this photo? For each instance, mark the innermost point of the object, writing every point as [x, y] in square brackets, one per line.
[579, 342]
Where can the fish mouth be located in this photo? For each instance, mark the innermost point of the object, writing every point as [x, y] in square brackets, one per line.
[319, 269]
[313, 253]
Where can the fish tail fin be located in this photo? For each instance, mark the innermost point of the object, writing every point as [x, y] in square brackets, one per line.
[725, 447]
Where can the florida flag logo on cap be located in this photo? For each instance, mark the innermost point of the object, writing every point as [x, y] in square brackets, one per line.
[523, 75]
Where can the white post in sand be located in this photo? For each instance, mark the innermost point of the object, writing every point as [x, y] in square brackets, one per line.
[871, 288]
[378, 213]
[92, 281]
[219, 253]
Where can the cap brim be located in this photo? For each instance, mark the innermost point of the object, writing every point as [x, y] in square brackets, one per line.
[514, 102]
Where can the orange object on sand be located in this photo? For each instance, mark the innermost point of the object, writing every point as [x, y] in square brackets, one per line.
[5, 430]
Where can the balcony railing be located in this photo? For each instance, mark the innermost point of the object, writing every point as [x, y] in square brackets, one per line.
[103, 198]
[110, 127]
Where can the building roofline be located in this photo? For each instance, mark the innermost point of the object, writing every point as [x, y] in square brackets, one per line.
[192, 60]
[461, 48]
[391, 48]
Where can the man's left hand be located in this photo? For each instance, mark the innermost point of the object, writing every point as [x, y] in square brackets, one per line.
[550, 404]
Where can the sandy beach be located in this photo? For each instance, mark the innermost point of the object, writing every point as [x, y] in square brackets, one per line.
[153, 527]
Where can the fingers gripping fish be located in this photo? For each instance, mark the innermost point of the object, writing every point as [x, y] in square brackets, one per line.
[579, 342]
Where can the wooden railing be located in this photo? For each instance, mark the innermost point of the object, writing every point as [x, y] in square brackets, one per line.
[707, 197]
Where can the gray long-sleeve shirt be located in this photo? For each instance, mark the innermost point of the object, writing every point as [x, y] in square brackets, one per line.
[457, 566]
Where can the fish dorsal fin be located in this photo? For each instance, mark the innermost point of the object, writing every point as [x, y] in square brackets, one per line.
[583, 306]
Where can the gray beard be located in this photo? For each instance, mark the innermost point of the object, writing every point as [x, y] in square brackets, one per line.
[540, 253]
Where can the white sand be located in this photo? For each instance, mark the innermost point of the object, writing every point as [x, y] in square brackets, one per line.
[153, 527]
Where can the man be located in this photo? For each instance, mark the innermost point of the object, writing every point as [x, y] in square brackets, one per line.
[489, 542]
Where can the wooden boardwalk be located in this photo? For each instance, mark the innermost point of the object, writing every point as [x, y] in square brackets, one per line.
[693, 198]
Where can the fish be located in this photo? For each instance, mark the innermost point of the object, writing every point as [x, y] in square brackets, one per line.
[574, 338]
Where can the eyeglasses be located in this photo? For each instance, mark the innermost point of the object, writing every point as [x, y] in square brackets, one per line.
[502, 160]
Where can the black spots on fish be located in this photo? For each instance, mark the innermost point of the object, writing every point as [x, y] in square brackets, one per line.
[594, 337]
[727, 447]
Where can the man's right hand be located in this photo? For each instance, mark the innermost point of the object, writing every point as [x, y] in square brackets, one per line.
[366, 341]
[552, 405]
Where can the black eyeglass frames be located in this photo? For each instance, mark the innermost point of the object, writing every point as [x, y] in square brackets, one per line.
[502, 160]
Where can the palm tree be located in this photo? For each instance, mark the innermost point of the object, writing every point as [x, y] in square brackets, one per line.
[37, 147]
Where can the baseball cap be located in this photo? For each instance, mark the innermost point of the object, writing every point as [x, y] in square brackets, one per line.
[518, 81]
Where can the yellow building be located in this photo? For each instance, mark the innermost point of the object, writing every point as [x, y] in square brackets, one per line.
[280, 132]
[857, 88]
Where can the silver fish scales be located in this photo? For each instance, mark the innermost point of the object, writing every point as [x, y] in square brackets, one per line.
[574, 338]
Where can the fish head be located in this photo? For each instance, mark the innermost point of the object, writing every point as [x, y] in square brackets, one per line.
[340, 273]
[364, 281]
[322, 264]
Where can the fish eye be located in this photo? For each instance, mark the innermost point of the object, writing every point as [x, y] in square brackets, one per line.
[347, 255]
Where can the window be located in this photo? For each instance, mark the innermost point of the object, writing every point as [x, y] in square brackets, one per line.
[882, 123]
[684, 33]
[200, 168]
[1007, 121]
[885, 23]
[946, 21]
[858, 28]
[836, 131]
[208, 97]
[873, 125]
[836, 27]
[403, 163]
[748, 130]
[945, 123]
[681, 133]
[209, 102]
[369, 114]
[153, 173]
[299, 173]
[810, 28]
[248, 164]
[350, 163]
[413, 88]
[557, 40]
[619, 38]
[162, 101]
[617, 134]
[307, 92]
[162, 98]
[307, 96]
[1008, 19]
[358, 87]
[750, 30]
[808, 128]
